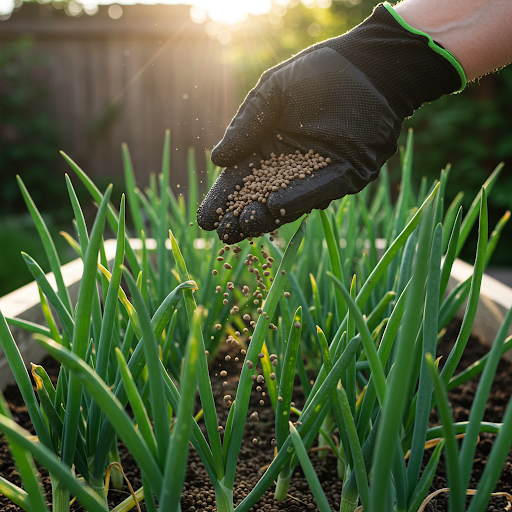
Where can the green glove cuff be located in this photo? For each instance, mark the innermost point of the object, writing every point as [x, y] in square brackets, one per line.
[432, 44]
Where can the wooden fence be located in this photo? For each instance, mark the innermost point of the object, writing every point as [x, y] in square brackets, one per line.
[127, 80]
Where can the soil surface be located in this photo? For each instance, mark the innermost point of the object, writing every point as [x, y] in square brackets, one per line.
[257, 450]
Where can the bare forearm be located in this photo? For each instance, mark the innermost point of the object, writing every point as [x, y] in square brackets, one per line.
[477, 32]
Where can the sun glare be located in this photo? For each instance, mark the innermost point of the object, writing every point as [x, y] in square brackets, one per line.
[229, 12]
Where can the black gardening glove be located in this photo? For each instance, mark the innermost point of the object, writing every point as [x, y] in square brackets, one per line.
[345, 98]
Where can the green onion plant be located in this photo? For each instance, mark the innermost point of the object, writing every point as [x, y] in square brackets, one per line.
[354, 307]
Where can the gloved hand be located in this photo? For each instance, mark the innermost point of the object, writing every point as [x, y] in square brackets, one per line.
[346, 98]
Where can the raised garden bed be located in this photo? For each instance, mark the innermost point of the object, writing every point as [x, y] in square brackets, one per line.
[350, 362]
[198, 493]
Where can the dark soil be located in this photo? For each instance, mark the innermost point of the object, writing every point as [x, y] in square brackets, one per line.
[257, 451]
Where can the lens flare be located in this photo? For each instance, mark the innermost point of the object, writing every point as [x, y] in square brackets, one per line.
[229, 12]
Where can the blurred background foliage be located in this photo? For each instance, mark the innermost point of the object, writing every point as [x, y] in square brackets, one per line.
[28, 135]
[471, 130]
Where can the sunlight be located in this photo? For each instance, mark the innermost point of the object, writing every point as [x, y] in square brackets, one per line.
[229, 12]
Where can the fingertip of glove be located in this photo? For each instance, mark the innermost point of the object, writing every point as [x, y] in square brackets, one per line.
[255, 219]
[229, 230]
[219, 156]
[205, 220]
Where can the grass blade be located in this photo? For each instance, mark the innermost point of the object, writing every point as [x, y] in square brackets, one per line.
[136, 365]
[383, 353]
[369, 347]
[50, 320]
[355, 448]
[420, 490]
[162, 218]
[450, 254]
[192, 195]
[198, 439]
[57, 426]
[14, 493]
[270, 376]
[474, 294]
[392, 251]
[449, 219]
[309, 472]
[64, 315]
[111, 215]
[107, 327]
[245, 383]
[476, 367]
[176, 464]
[29, 326]
[375, 317]
[82, 328]
[156, 386]
[22, 378]
[128, 306]
[335, 260]
[311, 418]
[445, 173]
[472, 214]
[205, 390]
[430, 330]
[83, 237]
[131, 185]
[46, 458]
[286, 381]
[138, 408]
[478, 406]
[393, 406]
[494, 464]
[49, 246]
[495, 236]
[457, 491]
[112, 408]
[33, 496]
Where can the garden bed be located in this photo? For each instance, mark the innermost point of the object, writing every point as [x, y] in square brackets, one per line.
[311, 319]
[198, 492]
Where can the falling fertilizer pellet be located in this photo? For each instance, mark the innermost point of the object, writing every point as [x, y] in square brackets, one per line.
[254, 416]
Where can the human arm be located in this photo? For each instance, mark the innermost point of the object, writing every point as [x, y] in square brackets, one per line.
[476, 32]
[345, 98]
